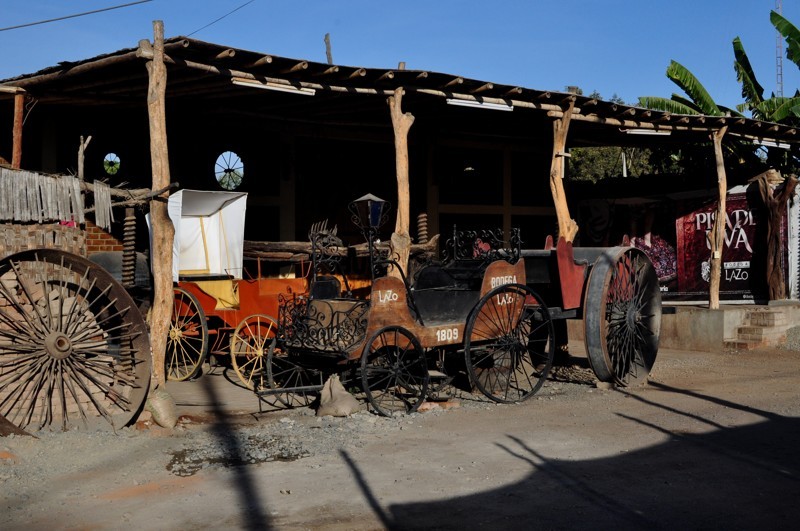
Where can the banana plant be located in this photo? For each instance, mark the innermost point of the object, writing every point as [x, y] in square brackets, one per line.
[773, 109]
[699, 101]
[790, 33]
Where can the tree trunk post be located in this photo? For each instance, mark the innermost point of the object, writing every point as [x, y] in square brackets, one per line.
[82, 157]
[717, 235]
[16, 141]
[567, 227]
[775, 206]
[163, 232]
[401, 238]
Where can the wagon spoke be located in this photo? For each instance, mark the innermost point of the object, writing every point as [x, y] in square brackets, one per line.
[509, 344]
[394, 371]
[73, 346]
[187, 340]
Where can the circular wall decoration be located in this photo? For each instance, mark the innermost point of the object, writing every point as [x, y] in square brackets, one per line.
[229, 170]
[111, 164]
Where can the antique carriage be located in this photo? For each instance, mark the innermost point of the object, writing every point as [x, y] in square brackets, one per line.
[481, 304]
[219, 308]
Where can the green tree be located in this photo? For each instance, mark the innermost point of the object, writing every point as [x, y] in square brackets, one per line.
[597, 163]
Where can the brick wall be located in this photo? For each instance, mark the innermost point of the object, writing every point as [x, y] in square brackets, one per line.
[16, 237]
[98, 240]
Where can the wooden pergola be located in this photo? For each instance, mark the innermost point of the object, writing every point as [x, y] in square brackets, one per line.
[185, 73]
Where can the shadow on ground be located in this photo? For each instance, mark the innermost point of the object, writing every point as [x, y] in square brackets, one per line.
[729, 478]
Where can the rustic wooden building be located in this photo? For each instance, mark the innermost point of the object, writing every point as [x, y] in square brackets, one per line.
[308, 137]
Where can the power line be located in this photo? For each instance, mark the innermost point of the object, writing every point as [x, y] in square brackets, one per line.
[74, 16]
[220, 18]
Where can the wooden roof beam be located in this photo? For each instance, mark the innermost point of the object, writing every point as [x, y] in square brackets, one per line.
[302, 65]
[482, 88]
[514, 91]
[386, 75]
[453, 82]
[328, 71]
[666, 117]
[630, 111]
[261, 61]
[358, 72]
[225, 54]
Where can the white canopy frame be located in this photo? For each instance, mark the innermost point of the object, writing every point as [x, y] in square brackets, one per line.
[209, 233]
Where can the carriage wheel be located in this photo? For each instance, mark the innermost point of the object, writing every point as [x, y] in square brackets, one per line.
[187, 343]
[509, 343]
[394, 371]
[622, 316]
[74, 349]
[251, 342]
[284, 371]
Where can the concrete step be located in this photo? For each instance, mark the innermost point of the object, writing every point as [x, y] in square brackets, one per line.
[770, 318]
[741, 344]
[760, 333]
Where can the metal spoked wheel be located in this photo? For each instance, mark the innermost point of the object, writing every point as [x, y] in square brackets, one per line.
[285, 371]
[394, 371]
[74, 349]
[251, 343]
[187, 343]
[622, 316]
[509, 343]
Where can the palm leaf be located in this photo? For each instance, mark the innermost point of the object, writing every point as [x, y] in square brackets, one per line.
[686, 101]
[752, 91]
[779, 109]
[732, 112]
[791, 33]
[663, 104]
[682, 77]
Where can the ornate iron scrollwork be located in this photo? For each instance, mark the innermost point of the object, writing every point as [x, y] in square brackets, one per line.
[486, 245]
[325, 248]
[333, 326]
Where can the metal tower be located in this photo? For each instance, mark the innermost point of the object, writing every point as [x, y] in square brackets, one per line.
[779, 53]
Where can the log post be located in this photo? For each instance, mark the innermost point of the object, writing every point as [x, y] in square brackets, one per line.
[81, 157]
[717, 235]
[775, 206]
[16, 142]
[163, 232]
[567, 227]
[401, 123]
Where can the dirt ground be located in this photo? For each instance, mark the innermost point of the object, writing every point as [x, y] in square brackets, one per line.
[710, 443]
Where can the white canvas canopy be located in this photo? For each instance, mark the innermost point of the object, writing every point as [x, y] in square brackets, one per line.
[209, 232]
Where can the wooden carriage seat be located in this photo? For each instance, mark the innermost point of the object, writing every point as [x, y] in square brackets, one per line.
[325, 287]
[223, 288]
[446, 294]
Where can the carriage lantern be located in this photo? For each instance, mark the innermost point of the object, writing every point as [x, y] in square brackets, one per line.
[369, 213]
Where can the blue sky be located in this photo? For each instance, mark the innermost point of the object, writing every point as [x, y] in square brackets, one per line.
[618, 47]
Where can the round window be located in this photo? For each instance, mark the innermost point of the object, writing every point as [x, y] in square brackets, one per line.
[229, 170]
[111, 164]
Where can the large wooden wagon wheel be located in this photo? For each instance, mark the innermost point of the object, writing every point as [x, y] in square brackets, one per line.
[622, 316]
[74, 349]
[509, 343]
[250, 345]
[394, 371]
[187, 343]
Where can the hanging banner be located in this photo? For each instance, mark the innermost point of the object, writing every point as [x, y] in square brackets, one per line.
[743, 277]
